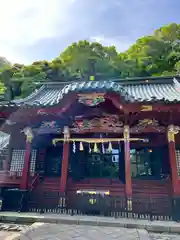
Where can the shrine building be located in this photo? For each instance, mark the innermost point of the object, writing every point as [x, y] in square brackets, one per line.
[116, 137]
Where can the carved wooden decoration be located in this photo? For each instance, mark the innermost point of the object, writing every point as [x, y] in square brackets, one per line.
[42, 112]
[48, 124]
[91, 99]
[147, 125]
[111, 123]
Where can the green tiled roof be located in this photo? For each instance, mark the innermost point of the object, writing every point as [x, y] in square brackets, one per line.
[166, 90]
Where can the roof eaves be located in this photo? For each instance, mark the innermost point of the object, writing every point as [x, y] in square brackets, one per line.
[28, 98]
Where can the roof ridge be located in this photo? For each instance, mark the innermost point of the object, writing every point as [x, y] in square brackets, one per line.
[123, 81]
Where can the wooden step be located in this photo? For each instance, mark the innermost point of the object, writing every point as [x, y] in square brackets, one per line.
[151, 187]
[139, 187]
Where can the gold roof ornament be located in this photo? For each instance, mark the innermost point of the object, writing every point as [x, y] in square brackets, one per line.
[91, 78]
[146, 108]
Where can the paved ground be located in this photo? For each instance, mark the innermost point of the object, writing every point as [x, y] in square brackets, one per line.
[164, 237]
[49, 231]
[7, 230]
[5, 234]
[80, 232]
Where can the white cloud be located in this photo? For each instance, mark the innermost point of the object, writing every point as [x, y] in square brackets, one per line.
[25, 22]
[121, 43]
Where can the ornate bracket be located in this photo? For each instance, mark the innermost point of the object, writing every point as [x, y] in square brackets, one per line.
[66, 134]
[126, 133]
[172, 131]
[28, 133]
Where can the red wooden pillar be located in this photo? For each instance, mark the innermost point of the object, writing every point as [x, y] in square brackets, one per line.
[172, 158]
[64, 168]
[25, 171]
[65, 161]
[128, 182]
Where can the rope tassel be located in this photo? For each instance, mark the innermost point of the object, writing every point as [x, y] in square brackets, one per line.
[89, 148]
[103, 148]
[81, 148]
[74, 147]
[110, 147]
[95, 148]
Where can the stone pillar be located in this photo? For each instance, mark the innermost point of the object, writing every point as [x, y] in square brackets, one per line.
[171, 132]
[65, 161]
[27, 159]
[128, 182]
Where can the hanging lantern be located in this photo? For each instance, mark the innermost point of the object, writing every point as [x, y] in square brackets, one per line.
[110, 147]
[74, 147]
[95, 147]
[81, 148]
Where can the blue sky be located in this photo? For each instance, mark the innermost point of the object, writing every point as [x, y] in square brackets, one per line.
[40, 29]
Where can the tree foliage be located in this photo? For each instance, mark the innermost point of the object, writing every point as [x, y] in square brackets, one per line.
[155, 55]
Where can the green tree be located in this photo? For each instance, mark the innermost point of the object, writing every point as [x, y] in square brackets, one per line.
[84, 58]
[177, 67]
[157, 55]
[169, 33]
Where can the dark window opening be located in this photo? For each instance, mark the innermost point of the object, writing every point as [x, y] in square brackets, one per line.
[147, 162]
[100, 164]
[53, 161]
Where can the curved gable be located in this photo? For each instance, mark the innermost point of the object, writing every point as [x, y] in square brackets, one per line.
[53, 94]
[163, 90]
